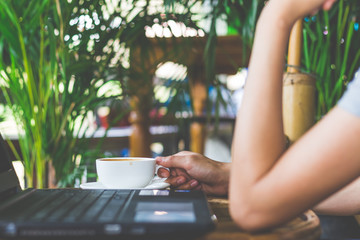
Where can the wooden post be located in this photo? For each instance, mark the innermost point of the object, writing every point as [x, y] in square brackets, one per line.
[298, 91]
[197, 129]
[51, 176]
[141, 91]
[140, 138]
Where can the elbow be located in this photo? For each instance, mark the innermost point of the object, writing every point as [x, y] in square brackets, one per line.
[247, 217]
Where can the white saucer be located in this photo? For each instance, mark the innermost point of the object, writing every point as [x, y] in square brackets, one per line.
[156, 183]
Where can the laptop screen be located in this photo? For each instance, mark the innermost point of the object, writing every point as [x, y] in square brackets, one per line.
[9, 182]
[4, 162]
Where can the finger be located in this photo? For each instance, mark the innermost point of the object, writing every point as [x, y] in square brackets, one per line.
[173, 172]
[163, 172]
[189, 185]
[328, 4]
[176, 181]
[182, 172]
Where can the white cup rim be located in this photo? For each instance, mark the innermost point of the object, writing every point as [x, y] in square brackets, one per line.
[124, 158]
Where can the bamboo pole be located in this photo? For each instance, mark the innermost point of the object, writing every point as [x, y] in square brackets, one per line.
[298, 90]
[295, 47]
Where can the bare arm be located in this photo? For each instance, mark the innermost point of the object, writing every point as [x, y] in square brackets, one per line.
[267, 185]
[344, 202]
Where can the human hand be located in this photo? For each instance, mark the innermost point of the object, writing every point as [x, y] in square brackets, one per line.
[295, 9]
[190, 170]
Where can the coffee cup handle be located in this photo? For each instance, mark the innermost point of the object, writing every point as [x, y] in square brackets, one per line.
[157, 166]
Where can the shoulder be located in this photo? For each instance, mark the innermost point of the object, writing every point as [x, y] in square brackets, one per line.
[356, 80]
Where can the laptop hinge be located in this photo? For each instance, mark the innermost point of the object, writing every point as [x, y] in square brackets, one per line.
[13, 199]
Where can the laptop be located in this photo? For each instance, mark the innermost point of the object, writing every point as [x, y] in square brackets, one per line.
[121, 214]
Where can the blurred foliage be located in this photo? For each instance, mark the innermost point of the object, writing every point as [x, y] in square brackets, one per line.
[50, 83]
[332, 51]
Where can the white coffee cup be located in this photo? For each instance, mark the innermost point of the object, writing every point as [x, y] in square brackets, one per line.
[125, 172]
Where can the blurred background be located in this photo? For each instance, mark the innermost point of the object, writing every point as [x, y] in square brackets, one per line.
[91, 78]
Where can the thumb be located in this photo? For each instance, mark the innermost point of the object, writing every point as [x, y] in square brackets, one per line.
[171, 161]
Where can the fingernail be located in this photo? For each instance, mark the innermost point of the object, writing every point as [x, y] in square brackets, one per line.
[180, 181]
[194, 183]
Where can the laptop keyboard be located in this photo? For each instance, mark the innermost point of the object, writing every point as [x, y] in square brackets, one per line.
[69, 205]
